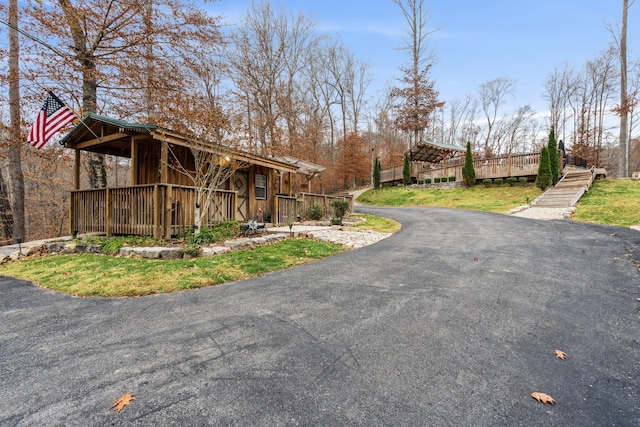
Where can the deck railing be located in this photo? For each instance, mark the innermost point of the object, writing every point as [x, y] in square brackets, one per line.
[497, 167]
[163, 211]
[158, 210]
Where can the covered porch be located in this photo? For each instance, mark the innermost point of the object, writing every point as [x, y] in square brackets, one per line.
[159, 200]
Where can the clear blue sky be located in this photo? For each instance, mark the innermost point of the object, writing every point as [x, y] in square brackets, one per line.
[476, 41]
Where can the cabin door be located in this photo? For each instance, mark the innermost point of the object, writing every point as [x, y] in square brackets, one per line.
[241, 183]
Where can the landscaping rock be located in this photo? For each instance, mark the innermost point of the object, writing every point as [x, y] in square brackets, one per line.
[152, 252]
[237, 244]
[69, 249]
[214, 250]
[55, 247]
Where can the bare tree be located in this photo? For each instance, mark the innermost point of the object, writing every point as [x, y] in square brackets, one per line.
[493, 95]
[213, 165]
[417, 98]
[104, 48]
[558, 90]
[623, 109]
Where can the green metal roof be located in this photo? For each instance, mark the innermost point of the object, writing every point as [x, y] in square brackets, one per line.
[113, 122]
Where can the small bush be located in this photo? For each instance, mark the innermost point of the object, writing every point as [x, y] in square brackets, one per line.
[486, 182]
[427, 181]
[436, 180]
[512, 181]
[315, 212]
[497, 181]
[340, 207]
[452, 178]
[420, 181]
[223, 230]
[523, 180]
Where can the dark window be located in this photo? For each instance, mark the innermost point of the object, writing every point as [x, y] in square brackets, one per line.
[261, 187]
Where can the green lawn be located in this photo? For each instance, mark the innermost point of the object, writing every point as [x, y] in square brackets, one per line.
[611, 201]
[91, 275]
[493, 199]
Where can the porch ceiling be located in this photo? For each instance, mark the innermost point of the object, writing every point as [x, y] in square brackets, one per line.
[103, 135]
[433, 152]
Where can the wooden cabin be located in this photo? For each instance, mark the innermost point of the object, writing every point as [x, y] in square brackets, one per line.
[160, 198]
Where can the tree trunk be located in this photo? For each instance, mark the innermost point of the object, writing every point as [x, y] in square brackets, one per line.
[6, 218]
[15, 146]
[97, 166]
[623, 162]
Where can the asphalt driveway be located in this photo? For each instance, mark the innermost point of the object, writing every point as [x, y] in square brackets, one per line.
[452, 321]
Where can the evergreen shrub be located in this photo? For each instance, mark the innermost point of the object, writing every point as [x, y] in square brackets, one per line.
[315, 212]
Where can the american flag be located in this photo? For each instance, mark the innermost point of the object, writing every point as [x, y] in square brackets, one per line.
[53, 116]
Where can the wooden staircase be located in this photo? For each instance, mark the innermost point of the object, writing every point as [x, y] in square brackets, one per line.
[569, 189]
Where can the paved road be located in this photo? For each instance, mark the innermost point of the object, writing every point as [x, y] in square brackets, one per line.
[452, 321]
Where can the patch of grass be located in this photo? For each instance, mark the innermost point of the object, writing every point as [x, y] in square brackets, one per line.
[611, 201]
[376, 223]
[106, 276]
[494, 199]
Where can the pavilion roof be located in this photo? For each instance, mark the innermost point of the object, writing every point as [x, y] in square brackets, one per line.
[433, 152]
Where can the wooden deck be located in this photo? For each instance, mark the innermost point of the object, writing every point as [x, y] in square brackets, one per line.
[496, 167]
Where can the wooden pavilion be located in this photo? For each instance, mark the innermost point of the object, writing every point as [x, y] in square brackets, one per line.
[160, 200]
[424, 156]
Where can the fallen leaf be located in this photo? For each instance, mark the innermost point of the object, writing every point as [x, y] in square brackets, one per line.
[123, 400]
[543, 398]
[560, 354]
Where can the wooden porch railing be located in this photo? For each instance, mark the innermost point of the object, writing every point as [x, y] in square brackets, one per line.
[306, 200]
[158, 210]
[291, 209]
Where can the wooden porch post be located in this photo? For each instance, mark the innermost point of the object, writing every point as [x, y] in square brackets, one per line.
[157, 213]
[164, 163]
[107, 213]
[275, 216]
[76, 170]
[168, 200]
[133, 179]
